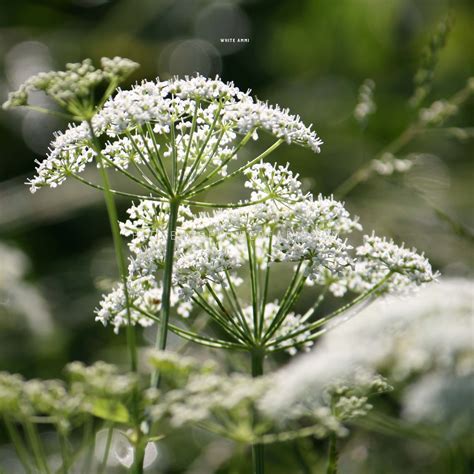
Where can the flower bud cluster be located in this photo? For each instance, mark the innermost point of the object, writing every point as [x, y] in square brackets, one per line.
[75, 83]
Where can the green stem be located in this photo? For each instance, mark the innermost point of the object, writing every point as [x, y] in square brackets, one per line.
[119, 253]
[122, 265]
[108, 444]
[36, 447]
[139, 457]
[17, 441]
[268, 151]
[333, 455]
[365, 172]
[88, 444]
[168, 273]
[63, 443]
[258, 448]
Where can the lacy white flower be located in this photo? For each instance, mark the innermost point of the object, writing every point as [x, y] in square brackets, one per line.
[422, 343]
[417, 334]
[275, 181]
[145, 295]
[170, 136]
[215, 254]
[228, 404]
[322, 379]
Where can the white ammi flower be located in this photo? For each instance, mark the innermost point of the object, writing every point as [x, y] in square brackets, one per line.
[423, 344]
[216, 252]
[180, 133]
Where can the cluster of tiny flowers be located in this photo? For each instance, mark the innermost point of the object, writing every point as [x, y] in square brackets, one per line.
[389, 164]
[206, 395]
[323, 251]
[91, 390]
[171, 364]
[250, 116]
[378, 256]
[228, 403]
[322, 380]
[194, 121]
[275, 181]
[438, 112]
[146, 219]
[21, 399]
[100, 379]
[69, 153]
[213, 252]
[144, 298]
[292, 323]
[423, 343]
[366, 105]
[75, 83]
[416, 334]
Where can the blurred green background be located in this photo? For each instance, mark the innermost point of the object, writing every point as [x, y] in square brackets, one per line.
[308, 55]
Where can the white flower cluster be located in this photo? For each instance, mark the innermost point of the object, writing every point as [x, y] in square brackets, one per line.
[366, 105]
[291, 324]
[422, 343]
[323, 379]
[195, 121]
[144, 296]
[250, 116]
[227, 404]
[99, 389]
[275, 181]
[325, 253]
[76, 82]
[100, 379]
[438, 112]
[215, 253]
[205, 396]
[147, 219]
[377, 257]
[70, 152]
[389, 164]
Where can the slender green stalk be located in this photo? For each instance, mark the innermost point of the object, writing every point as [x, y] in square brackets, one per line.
[122, 265]
[88, 444]
[168, 273]
[266, 284]
[63, 443]
[139, 457]
[17, 441]
[254, 283]
[114, 191]
[257, 448]
[36, 447]
[118, 247]
[333, 455]
[268, 151]
[108, 444]
[192, 336]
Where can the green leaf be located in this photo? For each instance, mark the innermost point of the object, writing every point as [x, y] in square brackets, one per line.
[110, 410]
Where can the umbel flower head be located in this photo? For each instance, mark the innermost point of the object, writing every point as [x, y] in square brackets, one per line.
[173, 138]
[421, 343]
[227, 404]
[287, 233]
[73, 87]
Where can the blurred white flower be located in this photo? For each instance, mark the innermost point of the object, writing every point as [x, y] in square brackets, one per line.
[18, 297]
